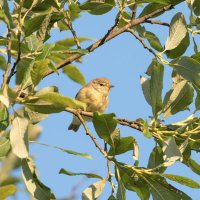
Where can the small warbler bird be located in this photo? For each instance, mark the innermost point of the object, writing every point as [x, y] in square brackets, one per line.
[95, 95]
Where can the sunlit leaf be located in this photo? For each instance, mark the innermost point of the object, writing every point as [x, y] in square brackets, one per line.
[73, 73]
[32, 182]
[178, 31]
[19, 137]
[94, 190]
[171, 152]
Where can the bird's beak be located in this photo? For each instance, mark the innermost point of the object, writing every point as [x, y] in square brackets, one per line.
[111, 86]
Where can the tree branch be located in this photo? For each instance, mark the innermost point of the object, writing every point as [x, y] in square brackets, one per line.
[123, 122]
[69, 25]
[142, 42]
[5, 75]
[110, 36]
[158, 22]
[77, 113]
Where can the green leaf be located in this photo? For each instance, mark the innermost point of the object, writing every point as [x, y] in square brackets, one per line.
[94, 190]
[33, 43]
[178, 99]
[151, 8]
[46, 51]
[34, 117]
[156, 85]
[165, 2]
[5, 14]
[125, 144]
[37, 189]
[4, 117]
[61, 101]
[67, 43]
[133, 182]
[74, 74]
[193, 165]
[38, 71]
[196, 7]
[153, 41]
[74, 10]
[52, 102]
[188, 68]
[23, 76]
[161, 190]
[156, 159]
[104, 125]
[180, 49]
[2, 63]
[146, 131]
[145, 82]
[182, 180]
[4, 146]
[121, 190]
[33, 24]
[177, 32]
[7, 190]
[171, 152]
[19, 137]
[84, 155]
[114, 139]
[69, 173]
[97, 8]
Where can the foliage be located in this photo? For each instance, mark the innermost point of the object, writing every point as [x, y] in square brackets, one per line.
[27, 55]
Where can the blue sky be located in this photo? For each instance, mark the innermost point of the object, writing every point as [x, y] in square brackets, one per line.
[122, 60]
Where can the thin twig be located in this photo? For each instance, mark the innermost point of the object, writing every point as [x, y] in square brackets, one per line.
[124, 122]
[134, 12]
[12, 72]
[77, 113]
[110, 36]
[69, 25]
[5, 75]
[142, 42]
[109, 177]
[151, 21]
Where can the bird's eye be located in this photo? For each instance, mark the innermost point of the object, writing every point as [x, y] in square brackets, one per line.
[101, 84]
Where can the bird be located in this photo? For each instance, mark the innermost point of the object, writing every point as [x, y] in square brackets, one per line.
[95, 95]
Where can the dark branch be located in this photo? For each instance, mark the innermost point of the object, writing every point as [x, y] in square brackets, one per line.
[110, 36]
[142, 42]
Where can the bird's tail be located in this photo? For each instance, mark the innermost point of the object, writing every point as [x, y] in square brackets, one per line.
[74, 127]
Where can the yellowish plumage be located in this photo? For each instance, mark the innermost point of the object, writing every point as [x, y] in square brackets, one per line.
[95, 95]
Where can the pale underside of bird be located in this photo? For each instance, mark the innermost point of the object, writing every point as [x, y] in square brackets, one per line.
[95, 95]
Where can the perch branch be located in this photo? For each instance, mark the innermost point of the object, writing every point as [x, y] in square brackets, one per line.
[123, 122]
